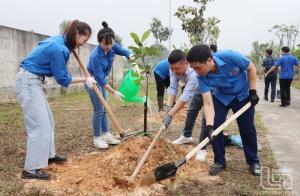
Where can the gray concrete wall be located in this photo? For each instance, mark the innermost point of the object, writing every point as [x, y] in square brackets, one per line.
[17, 44]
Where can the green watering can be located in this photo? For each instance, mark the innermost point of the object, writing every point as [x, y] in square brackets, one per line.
[129, 89]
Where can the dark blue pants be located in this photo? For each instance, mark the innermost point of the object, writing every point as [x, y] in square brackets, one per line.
[246, 128]
[271, 78]
[285, 90]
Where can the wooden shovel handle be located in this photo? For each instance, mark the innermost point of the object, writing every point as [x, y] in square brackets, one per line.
[137, 169]
[95, 88]
[218, 130]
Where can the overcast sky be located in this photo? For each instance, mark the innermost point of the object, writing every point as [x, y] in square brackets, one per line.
[242, 21]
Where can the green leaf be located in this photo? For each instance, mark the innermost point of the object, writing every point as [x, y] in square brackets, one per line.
[137, 81]
[134, 36]
[141, 66]
[135, 74]
[145, 35]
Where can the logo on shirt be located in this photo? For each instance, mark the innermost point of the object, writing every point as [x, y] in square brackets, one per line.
[234, 72]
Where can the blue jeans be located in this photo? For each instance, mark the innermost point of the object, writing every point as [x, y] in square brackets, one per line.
[38, 119]
[202, 131]
[100, 120]
[195, 106]
[272, 78]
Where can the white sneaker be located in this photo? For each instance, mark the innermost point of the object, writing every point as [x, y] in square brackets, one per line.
[100, 143]
[183, 140]
[110, 139]
[201, 155]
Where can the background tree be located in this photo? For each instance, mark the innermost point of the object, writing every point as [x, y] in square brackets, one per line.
[160, 32]
[63, 25]
[286, 34]
[194, 25]
[118, 39]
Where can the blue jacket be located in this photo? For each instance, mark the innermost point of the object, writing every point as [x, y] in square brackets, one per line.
[50, 58]
[100, 64]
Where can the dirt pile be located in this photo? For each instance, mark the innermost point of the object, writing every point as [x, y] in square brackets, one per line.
[93, 173]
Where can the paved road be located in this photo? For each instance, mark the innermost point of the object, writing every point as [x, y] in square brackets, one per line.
[284, 127]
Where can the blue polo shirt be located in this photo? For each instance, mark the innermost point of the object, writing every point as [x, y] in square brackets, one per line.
[162, 69]
[100, 64]
[231, 80]
[50, 58]
[287, 63]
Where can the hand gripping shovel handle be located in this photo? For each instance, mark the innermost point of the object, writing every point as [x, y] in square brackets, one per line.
[107, 108]
[137, 169]
[217, 131]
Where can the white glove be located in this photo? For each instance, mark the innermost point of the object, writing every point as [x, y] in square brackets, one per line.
[118, 95]
[90, 81]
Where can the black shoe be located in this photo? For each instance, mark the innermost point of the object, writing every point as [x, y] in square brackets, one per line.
[265, 98]
[272, 100]
[282, 105]
[58, 159]
[288, 103]
[39, 175]
[255, 169]
[216, 168]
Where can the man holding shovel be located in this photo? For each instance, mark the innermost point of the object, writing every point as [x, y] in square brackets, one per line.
[181, 71]
[233, 77]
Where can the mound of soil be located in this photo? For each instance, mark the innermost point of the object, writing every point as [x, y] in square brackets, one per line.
[93, 173]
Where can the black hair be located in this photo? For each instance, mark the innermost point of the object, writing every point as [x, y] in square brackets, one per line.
[176, 56]
[285, 49]
[199, 53]
[269, 51]
[106, 33]
[70, 32]
[213, 47]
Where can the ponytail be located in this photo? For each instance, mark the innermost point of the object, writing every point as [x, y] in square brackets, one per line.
[70, 32]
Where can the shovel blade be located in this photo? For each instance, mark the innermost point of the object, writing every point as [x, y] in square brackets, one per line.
[160, 173]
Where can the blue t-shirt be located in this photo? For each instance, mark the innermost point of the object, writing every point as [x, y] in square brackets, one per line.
[50, 58]
[100, 64]
[162, 69]
[231, 80]
[287, 63]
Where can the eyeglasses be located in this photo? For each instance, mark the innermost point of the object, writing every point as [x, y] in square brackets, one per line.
[85, 40]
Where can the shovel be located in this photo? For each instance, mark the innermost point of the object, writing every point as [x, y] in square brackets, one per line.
[111, 115]
[169, 170]
[137, 169]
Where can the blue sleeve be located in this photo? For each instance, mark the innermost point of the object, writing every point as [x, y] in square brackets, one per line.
[239, 60]
[59, 68]
[278, 62]
[121, 51]
[263, 64]
[99, 75]
[202, 83]
[296, 63]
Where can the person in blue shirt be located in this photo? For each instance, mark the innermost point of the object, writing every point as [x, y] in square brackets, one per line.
[99, 66]
[49, 59]
[287, 63]
[266, 65]
[162, 79]
[233, 77]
